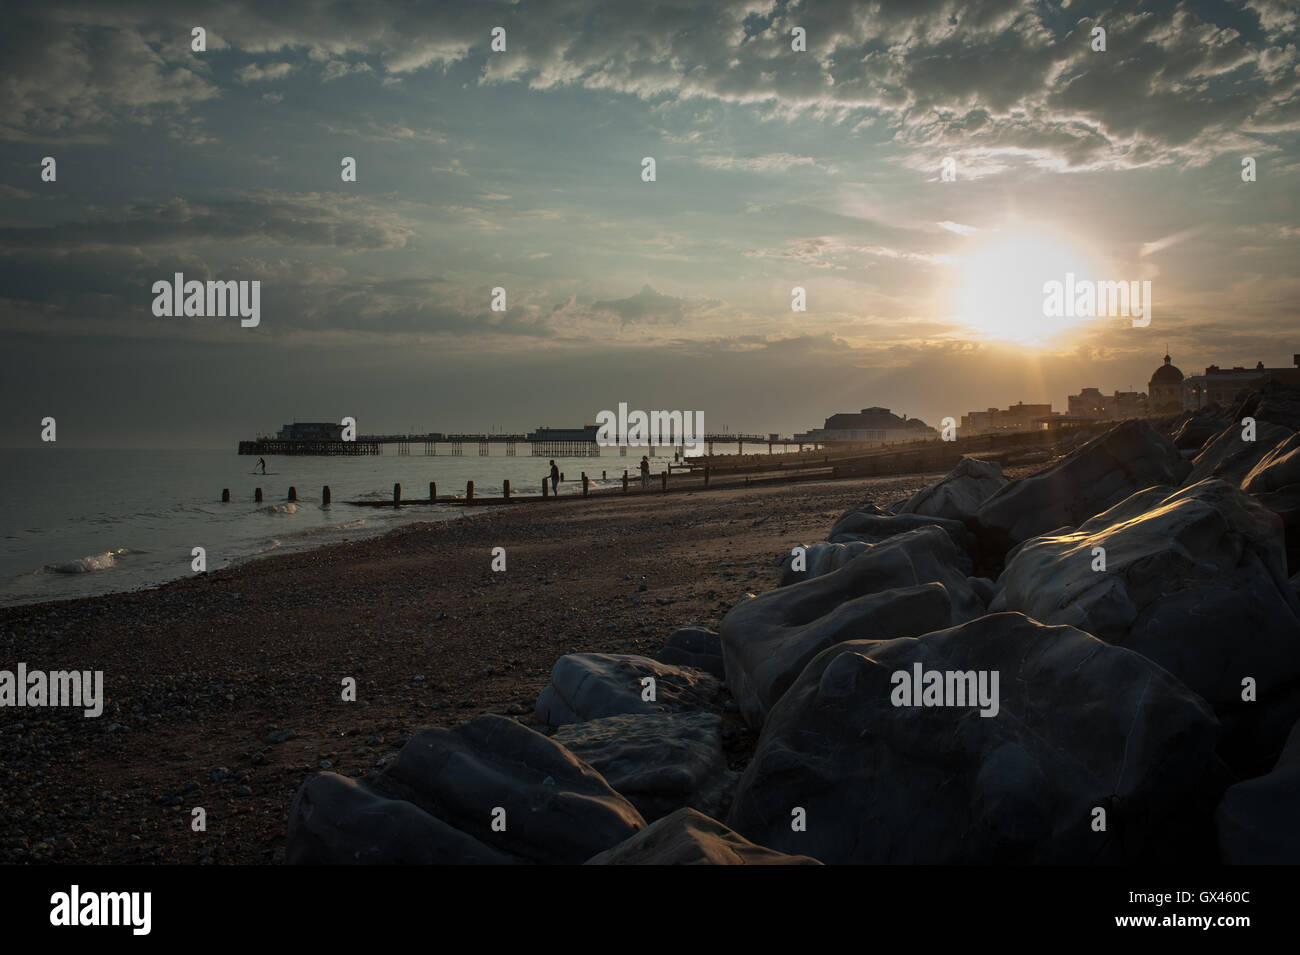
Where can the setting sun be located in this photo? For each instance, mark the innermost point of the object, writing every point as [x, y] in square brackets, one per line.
[999, 286]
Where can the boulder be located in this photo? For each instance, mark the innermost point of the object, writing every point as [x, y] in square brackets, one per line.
[1276, 469]
[660, 762]
[338, 821]
[874, 528]
[820, 558]
[588, 686]
[1079, 726]
[1274, 402]
[693, 646]
[688, 838]
[769, 640]
[1195, 580]
[1285, 503]
[1257, 818]
[787, 622]
[984, 588]
[436, 803]
[557, 809]
[1129, 457]
[1230, 458]
[1193, 432]
[959, 494]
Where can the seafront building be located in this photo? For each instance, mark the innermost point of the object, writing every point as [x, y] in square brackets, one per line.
[1224, 386]
[311, 431]
[1018, 417]
[1166, 389]
[873, 425]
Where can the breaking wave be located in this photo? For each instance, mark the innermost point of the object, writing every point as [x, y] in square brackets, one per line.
[87, 565]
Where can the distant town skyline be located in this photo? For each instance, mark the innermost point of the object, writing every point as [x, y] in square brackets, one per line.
[921, 171]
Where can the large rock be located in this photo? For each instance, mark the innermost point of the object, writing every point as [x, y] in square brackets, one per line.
[767, 639]
[693, 646]
[1276, 469]
[588, 686]
[1079, 725]
[338, 821]
[862, 526]
[441, 800]
[1197, 429]
[959, 494]
[1285, 503]
[1101, 473]
[1195, 580]
[660, 763]
[689, 838]
[1273, 402]
[820, 558]
[1232, 459]
[1257, 818]
[557, 808]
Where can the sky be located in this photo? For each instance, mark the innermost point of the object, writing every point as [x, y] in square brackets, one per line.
[522, 169]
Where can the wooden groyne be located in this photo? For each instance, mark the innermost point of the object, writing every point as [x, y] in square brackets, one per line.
[928, 457]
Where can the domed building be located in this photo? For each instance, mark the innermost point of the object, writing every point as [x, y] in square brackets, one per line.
[1165, 390]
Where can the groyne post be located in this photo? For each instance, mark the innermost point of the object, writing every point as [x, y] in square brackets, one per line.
[257, 495]
[625, 480]
[397, 494]
[469, 492]
[225, 495]
[293, 494]
[584, 483]
[505, 489]
[546, 489]
[325, 495]
[664, 476]
[433, 490]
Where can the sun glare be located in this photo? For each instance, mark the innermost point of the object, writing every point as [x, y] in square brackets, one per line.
[999, 289]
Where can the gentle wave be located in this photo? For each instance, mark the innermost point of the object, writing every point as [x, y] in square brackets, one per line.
[87, 565]
[281, 509]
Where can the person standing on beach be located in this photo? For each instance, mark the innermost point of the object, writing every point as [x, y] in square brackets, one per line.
[262, 462]
[555, 478]
[645, 471]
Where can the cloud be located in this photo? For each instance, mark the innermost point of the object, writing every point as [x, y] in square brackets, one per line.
[66, 76]
[992, 79]
[255, 73]
[770, 163]
[337, 69]
[270, 218]
[646, 306]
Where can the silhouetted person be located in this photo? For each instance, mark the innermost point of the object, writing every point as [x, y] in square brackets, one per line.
[645, 471]
[262, 462]
[555, 478]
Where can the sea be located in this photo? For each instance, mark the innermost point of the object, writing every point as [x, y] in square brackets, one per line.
[81, 522]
